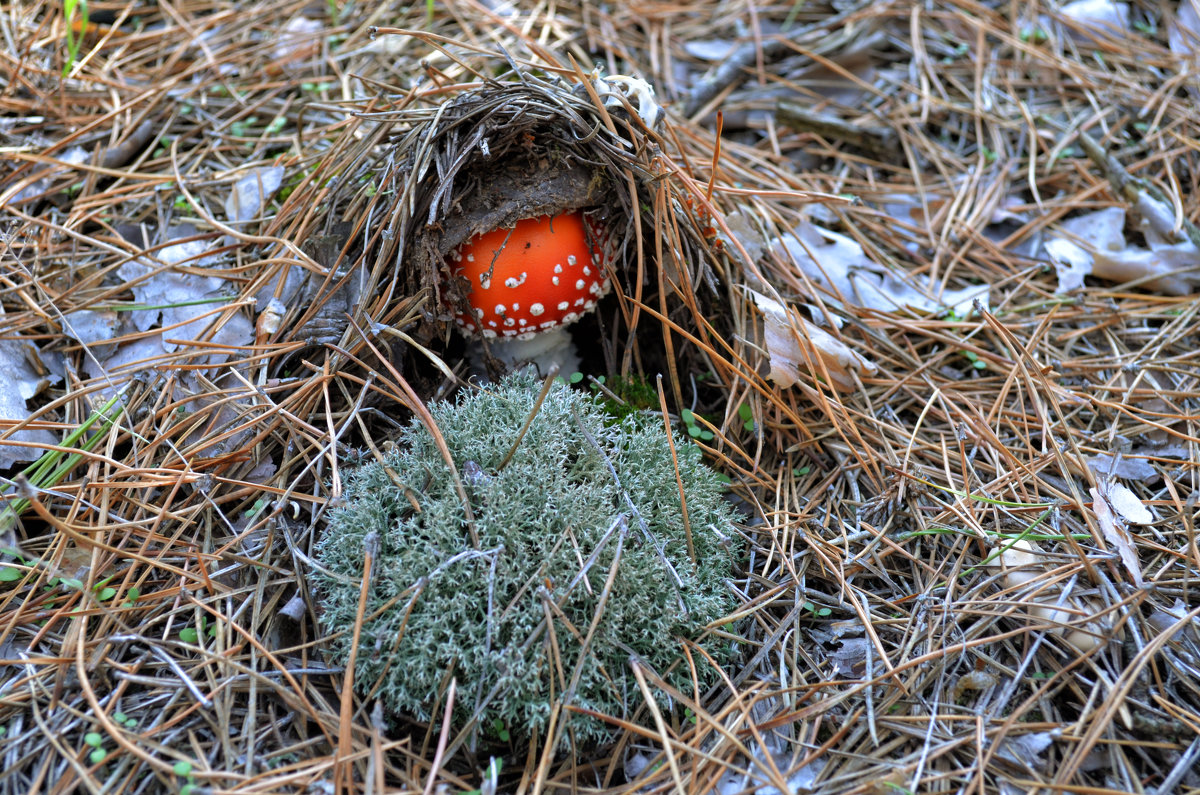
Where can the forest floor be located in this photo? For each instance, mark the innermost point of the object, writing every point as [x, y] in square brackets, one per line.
[918, 279]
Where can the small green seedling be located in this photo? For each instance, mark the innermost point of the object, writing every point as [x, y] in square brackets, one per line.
[183, 769]
[973, 358]
[11, 574]
[96, 740]
[191, 635]
[242, 126]
[257, 508]
[693, 428]
[103, 591]
[818, 612]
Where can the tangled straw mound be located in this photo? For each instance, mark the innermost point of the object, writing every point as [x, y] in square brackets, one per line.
[525, 621]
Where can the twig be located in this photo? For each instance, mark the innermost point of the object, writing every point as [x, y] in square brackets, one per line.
[734, 70]
[1147, 200]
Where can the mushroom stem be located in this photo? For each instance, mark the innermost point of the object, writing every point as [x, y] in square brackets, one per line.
[544, 350]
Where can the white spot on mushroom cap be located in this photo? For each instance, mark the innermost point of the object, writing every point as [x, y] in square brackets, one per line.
[536, 309]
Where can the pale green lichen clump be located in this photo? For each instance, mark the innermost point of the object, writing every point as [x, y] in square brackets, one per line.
[439, 606]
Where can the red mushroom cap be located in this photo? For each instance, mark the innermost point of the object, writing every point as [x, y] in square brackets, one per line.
[543, 273]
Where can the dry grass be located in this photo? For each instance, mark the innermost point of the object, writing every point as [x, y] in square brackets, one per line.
[880, 652]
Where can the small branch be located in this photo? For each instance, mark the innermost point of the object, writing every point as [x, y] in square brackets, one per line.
[734, 71]
[1145, 199]
[878, 141]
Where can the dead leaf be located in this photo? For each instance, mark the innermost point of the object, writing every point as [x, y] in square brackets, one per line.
[251, 193]
[1125, 503]
[1116, 534]
[20, 383]
[792, 342]
[839, 263]
[1094, 244]
[1126, 467]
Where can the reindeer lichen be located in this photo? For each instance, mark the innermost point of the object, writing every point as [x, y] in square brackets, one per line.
[582, 563]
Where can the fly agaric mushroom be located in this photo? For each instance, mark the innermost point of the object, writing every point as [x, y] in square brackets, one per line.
[528, 283]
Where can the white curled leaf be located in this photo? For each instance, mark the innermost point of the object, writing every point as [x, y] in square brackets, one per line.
[1098, 14]
[1125, 503]
[637, 91]
[1183, 30]
[1094, 244]
[837, 262]
[792, 342]
[1114, 532]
